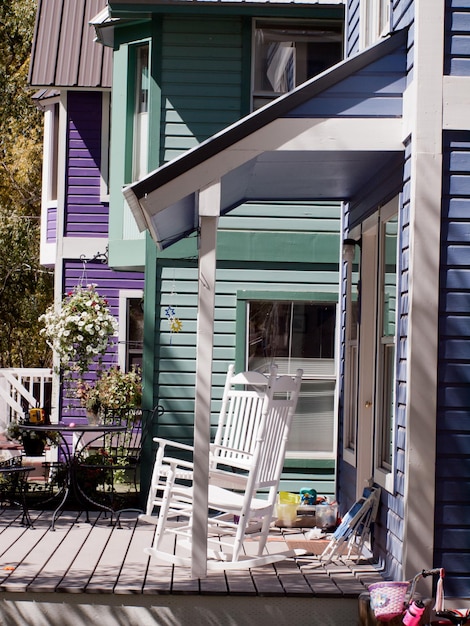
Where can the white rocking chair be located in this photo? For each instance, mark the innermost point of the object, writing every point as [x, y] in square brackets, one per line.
[235, 515]
[239, 417]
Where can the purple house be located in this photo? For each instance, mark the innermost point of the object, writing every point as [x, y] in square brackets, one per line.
[73, 78]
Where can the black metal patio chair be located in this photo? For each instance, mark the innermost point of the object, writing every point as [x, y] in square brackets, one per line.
[108, 465]
[14, 485]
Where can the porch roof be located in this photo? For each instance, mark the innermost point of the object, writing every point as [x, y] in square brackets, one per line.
[313, 143]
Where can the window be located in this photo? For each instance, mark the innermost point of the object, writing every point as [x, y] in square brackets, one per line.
[51, 153]
[375, 20]
[386, 342]
[295, 334]
[351, 360]
[287, 54]
[131, 328]
[141, 107]
[105, 144]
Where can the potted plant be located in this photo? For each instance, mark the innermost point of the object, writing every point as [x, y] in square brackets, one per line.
[114, 391]
[32, 441]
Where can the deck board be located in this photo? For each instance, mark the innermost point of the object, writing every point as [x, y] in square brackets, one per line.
[98, 557]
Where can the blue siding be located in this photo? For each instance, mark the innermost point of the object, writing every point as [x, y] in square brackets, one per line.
[352, 28]
[86, 215]
[452, 526]
[376, 91]
[390, 527]
[457, 38]
[402, 14]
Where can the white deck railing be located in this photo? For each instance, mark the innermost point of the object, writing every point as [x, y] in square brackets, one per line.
[22, 389]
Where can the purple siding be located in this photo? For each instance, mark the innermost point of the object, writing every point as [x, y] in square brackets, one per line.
[51, 230]
[109, 284]
[85, 214]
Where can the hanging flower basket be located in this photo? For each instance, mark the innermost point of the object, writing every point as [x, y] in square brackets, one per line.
[80, 330]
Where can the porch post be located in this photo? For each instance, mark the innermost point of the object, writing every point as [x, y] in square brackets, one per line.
[209, 211]
[425, 223]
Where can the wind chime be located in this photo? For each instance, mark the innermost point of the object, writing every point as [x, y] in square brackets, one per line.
[174, 322]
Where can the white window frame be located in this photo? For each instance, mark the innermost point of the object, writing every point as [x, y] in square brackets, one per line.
[374, 21]
[51, 153]
[52, 174]
[330, 377]
[351, 367]
[384, 473]
[141, 118]
[124, 296]
[105, 145]
[268, 96]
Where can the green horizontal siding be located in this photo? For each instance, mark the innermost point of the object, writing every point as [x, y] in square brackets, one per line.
[309, 473]
[201, 80]
[175, 362]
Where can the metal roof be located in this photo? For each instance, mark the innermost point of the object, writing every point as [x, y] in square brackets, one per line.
[274, 155]
[64, 53]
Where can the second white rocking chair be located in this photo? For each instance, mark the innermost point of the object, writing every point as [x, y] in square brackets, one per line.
[234, 514]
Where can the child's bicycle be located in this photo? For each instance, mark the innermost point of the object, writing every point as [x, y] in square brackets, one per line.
[459, 617]
[389, 600]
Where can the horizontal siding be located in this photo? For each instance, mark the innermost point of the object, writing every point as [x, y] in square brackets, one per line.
[109, 284]
[176, 365]
[86, 214]
[311, 217]
[200, 80]
[457, 38]
[176, 352]
[352, 27]
[376, 91]
[452, 526]
[51, 229]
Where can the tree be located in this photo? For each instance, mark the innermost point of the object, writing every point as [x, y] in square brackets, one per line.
[26, 289]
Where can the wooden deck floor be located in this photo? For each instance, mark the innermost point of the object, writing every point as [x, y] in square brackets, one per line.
[97, 557]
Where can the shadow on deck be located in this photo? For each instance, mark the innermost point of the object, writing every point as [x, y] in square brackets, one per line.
[96, 572]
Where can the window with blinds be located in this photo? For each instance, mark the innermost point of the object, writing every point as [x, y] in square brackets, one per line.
[295, 334]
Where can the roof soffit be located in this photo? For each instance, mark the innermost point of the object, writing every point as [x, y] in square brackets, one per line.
[308, 158]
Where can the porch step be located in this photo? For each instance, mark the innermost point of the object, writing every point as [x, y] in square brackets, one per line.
[181, 609]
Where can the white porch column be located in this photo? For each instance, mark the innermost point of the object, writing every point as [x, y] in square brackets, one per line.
[209, 211]
[423, 122]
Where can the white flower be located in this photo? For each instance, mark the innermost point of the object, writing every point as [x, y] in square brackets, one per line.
[81, 329]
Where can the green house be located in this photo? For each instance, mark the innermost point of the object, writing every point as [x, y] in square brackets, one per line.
[181, 74]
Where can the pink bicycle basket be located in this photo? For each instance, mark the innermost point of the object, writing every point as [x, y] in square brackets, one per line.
[387, 599]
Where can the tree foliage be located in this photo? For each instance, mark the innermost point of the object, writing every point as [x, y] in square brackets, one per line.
[26, 288]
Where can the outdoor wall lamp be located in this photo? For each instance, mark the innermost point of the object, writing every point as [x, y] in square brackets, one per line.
[349, 249]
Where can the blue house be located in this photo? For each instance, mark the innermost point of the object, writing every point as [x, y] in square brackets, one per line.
[386, 133]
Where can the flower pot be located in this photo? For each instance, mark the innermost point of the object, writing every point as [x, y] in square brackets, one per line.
[93, 418]
[33, 446]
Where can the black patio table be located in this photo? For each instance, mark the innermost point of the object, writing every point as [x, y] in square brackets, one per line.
[71, 487]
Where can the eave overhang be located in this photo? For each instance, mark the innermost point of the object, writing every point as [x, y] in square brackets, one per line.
[280, 152]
